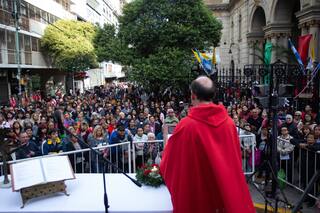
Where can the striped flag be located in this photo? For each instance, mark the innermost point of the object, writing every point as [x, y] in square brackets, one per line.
[195, 53]
[296, 54]
[205, 62]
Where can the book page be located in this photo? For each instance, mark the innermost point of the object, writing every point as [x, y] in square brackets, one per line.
[57, 168]
[26, 173]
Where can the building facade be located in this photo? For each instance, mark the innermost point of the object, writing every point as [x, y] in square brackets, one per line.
[99, 12]
[249, 24]
[33, 16]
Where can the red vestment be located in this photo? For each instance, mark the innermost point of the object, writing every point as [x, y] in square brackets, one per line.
[201, 164]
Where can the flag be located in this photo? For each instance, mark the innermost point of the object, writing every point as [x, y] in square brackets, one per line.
[205, 56]
[303, 47]
[206, 64]
[312, 54]
[214, 59]
[310, 64]
[267, 53]
[196, 55]
[297, 56]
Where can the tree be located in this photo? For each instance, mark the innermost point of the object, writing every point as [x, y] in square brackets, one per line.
[155, 39]
[69, 44]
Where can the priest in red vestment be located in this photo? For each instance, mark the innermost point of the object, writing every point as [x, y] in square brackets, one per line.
[201, 163]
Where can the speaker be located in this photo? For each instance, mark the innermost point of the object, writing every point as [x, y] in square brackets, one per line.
[261, 90]
[286, 90]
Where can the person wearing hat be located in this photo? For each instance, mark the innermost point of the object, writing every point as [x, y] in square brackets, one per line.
[292, 128]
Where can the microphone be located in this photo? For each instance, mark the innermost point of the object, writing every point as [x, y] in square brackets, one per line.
[58, 119]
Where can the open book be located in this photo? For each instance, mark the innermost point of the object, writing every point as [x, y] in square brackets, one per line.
[40, 171]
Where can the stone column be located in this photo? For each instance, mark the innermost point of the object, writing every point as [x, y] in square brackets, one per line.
[274, 55]
[283, 45]
[251, 52]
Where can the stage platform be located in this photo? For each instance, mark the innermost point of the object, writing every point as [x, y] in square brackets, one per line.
[86, 196]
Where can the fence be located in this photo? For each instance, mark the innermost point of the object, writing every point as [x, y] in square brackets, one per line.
[238, 82]
[141, 152]
[299, 168]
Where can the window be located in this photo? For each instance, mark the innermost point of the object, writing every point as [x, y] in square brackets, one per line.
[23, 9]
[27, 43]
[44, 17]
[231, 31]
[32, 12]
[239, 25]
[2, 42]
[27, 50]
[38, 14]
[35, 45]
[11, 45]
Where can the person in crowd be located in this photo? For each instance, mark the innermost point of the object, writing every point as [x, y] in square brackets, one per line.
[217, 182]
[10, 117]
[285, 148]
[308, 160]
[255, 120]
[171, 117]
[17, 128]
[3, 123]
[298, 118]
[98, 138]
[119, 154]
[292, 128]
[132, 127]
[53, 144]
[308, 111]
[68, 121]
[84, 131]
[152, 150]
[142, 138]
[28, 148]
[71, 143]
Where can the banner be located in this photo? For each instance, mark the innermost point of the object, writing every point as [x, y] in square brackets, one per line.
[267, 53]
[303, 47]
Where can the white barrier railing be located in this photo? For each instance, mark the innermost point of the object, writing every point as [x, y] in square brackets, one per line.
[125, 156]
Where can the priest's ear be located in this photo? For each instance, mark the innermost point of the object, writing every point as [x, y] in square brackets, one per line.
[193, 96]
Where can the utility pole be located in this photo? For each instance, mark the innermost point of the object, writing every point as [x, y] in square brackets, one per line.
[16, 15]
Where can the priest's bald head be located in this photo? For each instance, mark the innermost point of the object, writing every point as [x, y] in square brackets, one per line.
[202, 90]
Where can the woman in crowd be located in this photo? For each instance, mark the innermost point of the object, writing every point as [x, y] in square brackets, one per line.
[98, 138]
[71, 143]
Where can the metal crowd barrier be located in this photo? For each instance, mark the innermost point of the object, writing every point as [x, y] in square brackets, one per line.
[84, 161]
[299, 169]
[248, 145]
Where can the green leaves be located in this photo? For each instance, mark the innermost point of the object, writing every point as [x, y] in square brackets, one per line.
[70, 45]
[155, 39]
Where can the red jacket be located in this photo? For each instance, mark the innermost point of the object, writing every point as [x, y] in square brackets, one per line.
[201, 164]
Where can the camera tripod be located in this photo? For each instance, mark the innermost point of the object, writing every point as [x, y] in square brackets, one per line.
[271, 194]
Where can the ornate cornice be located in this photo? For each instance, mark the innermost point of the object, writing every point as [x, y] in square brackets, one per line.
[220, 7]
[277, 30]
[309, 16]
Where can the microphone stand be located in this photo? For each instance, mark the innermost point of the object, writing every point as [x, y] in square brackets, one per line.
[104, 161]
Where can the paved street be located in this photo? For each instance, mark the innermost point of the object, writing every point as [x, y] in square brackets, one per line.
[292, 195]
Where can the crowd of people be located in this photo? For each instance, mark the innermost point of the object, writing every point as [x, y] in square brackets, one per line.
[120, 112]
[109, 114]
